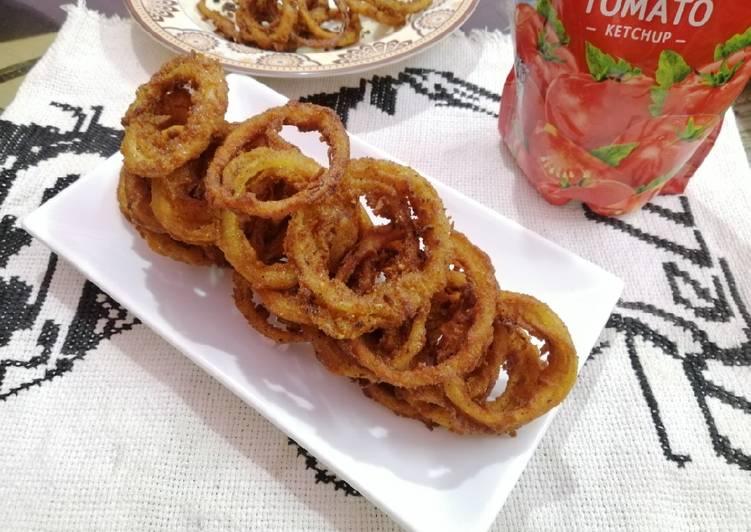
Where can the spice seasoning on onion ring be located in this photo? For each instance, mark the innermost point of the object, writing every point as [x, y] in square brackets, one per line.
[340, 311]
[306, 117]
[359, 259]
[157, 141]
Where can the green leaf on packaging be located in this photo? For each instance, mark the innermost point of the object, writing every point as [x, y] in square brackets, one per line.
[604, 66]
[733, 44]
[722, 76]
[671, 69]
[613, 155]
[658, 96]
[547, 49]
[691, 132]
[658, 181]
[548, 12]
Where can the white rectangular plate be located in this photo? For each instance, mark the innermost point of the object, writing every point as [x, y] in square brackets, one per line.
[424, 480]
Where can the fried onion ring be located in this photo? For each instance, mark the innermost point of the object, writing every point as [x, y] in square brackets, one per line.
[134, 198]
[320, 37]
[306, 117]
[163, 244]
[178, 204]
[290, 166]
[384, 16]
[338, 310]
[258, 316]
[267, 23]
[552, 381]
[474, 343]
[154, 146]
[224, 26]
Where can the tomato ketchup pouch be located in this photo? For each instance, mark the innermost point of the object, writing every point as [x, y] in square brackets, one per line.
[611, 102]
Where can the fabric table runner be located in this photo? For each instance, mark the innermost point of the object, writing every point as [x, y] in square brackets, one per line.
[105, 426]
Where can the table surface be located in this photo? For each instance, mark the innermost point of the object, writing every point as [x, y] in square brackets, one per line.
[29, 26]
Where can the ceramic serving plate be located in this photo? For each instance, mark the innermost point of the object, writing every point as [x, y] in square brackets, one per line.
[425, 480]
[178, 25]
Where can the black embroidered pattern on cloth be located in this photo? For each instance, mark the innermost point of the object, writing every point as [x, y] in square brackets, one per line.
[97, 316]
[442, 88]
[322, 474]
[716, 302]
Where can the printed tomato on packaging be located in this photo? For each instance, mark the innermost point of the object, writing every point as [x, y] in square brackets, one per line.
[611, 102]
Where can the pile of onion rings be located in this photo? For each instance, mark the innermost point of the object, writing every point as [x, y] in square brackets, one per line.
[286, 25]
[357, 258]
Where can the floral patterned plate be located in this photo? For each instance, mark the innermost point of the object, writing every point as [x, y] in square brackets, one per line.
[178, 25]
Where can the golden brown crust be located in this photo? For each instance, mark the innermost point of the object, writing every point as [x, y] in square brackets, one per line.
[358, 259]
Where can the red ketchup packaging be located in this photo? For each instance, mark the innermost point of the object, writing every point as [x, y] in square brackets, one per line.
[612, 102]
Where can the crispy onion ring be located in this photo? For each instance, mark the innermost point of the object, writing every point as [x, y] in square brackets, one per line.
[258, 316]
[163, 244]
[329, 353]
[399, 6]
[385, 394]
[473, 344]
[429, 403]
[153, 144]
[541, 385]
[222, 25]
[433, 405]
[306, 117]
[338, 310]
[267, 23]
[134, 198]
[289, 166]
[384, 16]
[178, 204]
[342, 231]
[311, 33]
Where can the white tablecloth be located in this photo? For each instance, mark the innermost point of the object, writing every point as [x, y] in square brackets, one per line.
[105, 426]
